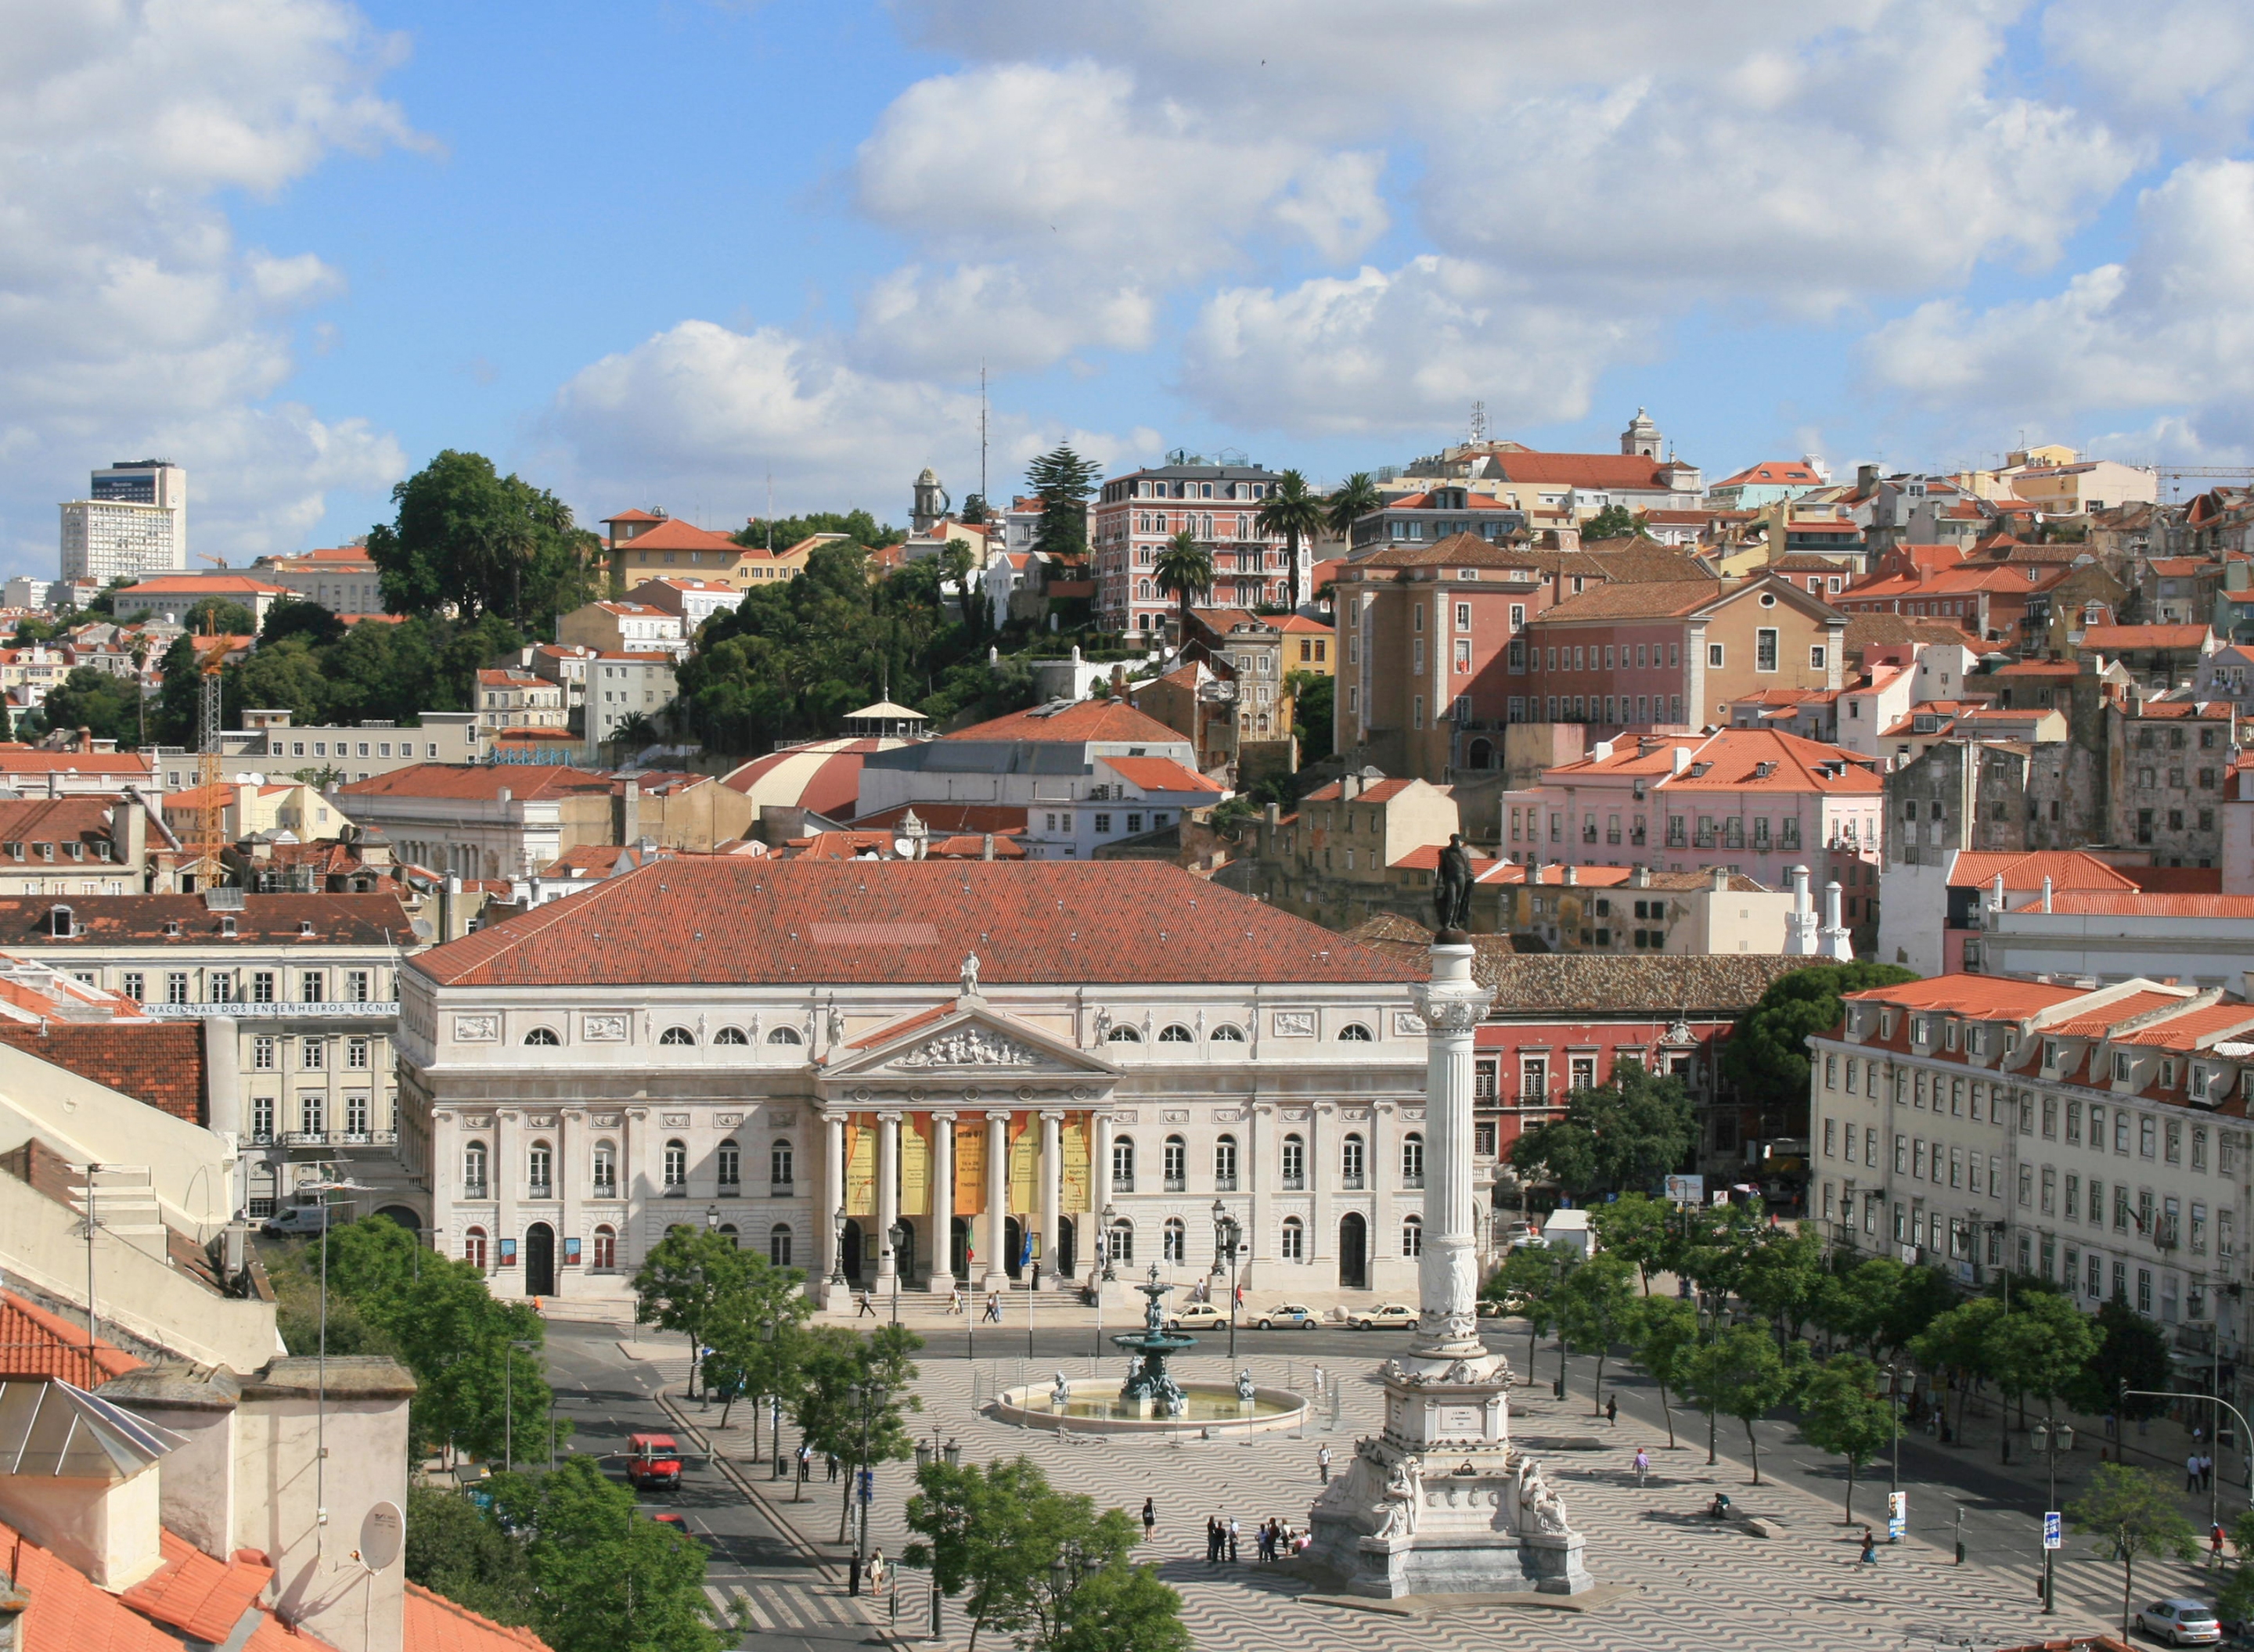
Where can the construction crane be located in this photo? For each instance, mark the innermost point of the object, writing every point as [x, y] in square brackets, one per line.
[2173, 473]
[207, 837]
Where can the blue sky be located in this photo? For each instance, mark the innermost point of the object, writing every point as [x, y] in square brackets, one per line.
[648, 254]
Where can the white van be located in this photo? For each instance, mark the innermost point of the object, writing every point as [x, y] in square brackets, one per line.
[1570, 1231]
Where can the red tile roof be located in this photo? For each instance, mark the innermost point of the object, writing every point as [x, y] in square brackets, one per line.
[1372, 792]
[1972, 995]
[203, 585]
[159, 1062]
[34, 1342]
[2111, 639]
[2136, 904]
[526, 782]
[719, 920]
[67, 1613]
[2065, 868]
[1081, 721]
[433, 1623]
[633, 516]
[673, 533]
[1774, 471]
[1160, 774]
[2175, 880]
[1583, 470]
[2097, 1023]
[98, 920]
[202, 1598]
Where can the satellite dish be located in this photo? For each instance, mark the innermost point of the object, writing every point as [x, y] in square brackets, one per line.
[903, 847]
[380, 1535]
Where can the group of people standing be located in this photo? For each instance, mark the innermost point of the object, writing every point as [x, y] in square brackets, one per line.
[1274, 1541]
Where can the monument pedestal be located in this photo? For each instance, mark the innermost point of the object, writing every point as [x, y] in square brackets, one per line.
[1439, 1503]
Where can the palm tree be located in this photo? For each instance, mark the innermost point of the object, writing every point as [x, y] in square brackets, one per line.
[1185, 567]
[1349, 502]
[1294, 510]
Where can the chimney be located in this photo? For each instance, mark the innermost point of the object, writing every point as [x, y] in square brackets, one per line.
[1996, 894]
[85, 742]
[626, 812]
[1718, 878]
[1571, 874]
[1272, 815]
[196, 1484]
[128, 831]
[2046, 905]
[1640, 878]
[1834, 944]
[986, 846]
[81, 1478]
[1682, 759]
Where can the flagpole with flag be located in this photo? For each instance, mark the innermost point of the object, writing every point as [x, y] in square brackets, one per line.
[1025, 1263]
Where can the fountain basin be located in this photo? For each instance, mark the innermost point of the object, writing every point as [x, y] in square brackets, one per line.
[1095, 1408]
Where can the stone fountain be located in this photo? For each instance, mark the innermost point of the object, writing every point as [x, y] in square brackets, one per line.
[1150, 1389]
[1439, 1503]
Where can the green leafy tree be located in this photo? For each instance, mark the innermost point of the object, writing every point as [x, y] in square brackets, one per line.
[284, 675]
[1767, 1055]
[2133, 1353]
[2039, 1348]
[1350, 502]
[1614, 521]
[1783, 1276]
[469, 540]
[109, 707]
[1062, 480]
[995, 1536]
[295, 617]
[781, 533]
[1858, 1305]
[455, 1548]
[754, 1333]
[1663, 1337]
[1185, 567]
[217, 616]
[1592, 1306]
[1926, 1294]
[1295, 511]
[1638, 1228]
[1960, 1342]
[1533, 1273]
[1716, 1245]
[683, 1281]
[1840, 1413]
[1740, 1374]
[1621, 1136]
[605, 1577]
[1314, 715]
[2133, 1507]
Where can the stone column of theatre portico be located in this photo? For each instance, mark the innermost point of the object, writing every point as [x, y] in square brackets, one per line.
[1438, 1503]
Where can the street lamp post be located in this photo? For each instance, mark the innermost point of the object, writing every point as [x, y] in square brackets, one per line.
[871, 1397]
[1231, 1234]
[837, 1247]
[1894, 1412]
[896, 1237]
[1103, 1243]
[2050, 1437]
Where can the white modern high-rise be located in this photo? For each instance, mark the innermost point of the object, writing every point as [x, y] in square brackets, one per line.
[133, 522]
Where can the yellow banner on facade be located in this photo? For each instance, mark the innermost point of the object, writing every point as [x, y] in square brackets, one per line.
[1077, 1179]
[971, 1168]
[1024, 1162]
[860, 1170]
[915, 1165]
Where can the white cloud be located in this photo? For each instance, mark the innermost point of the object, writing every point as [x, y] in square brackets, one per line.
[701, 412]
[1385, 352]
[129, 314]
[2165, 329]
[2184, 66]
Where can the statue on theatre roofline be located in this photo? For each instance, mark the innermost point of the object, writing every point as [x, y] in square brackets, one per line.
[1452, 888]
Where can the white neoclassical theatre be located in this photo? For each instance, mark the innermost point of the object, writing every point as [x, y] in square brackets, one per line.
[995, 1063]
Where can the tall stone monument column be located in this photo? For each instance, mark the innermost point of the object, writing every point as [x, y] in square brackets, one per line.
[1438, 1502]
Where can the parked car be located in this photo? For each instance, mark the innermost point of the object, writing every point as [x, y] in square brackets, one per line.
[653, 1462]
[296, 1219]
[1391, 1316]
[1507, 1305]
[2180, 1622]
[667, 1517]
[1289, 1314]
[1191, 1316]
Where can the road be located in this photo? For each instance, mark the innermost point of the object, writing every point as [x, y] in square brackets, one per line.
[793, 1602]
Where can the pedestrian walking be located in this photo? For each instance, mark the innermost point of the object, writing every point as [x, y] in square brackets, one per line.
[861, 1304]
[1319, 1381]
[954, 1300]
[1612, 1410]
[1232, 1540]
[1323, 1463]
[2215, 1545]
[994, 1307]
[2191, 1472]
[1149, 1519]
[1211, 1540]
[1642, 1465]
[829, 1464]
[1869, 1549]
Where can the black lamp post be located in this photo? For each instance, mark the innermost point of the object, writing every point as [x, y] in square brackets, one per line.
[2050, 1437]
[896, 1237]
[837, 1247]
[871, 1398]
[1893, 1457]
[1230, 1235]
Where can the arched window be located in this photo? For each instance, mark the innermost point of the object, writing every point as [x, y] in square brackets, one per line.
[731, 1166]
[785, 1035]
[1350, 1162]
[1355, 1032]
[606, 1248]
[781, 1168]
[540, 1171]
[474, 1171]
[1122, 1241]
[542, 1036]
[1122, 1035]
[676, 1035]
[1224, 1164]
[1122, 1165]
[1176, 1032]
[1295, 1162]
[1176, 1164]
[734, 1240]
[1295, 1240]
[1412, 1160]
[677, 1167]
[473, 1247]
[730, 1035]
[606, 1171]
[779, 1244]
[1175, 1245]
[1226, 1033]
[1412, 1235]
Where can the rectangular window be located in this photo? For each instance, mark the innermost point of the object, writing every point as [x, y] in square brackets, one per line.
[356, 1054]
[261, 1118]
[312, 1113]
[133, 985]
[356, 986]
[313, 1054]
[176, 986]
[313, 987]
[1714, 656]
[1765, 648]
[261, 986]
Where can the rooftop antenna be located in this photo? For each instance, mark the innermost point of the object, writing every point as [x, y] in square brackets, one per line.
[770, 511]
[1478, 422]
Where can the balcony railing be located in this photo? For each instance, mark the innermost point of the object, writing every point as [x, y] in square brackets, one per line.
[1122, 1184]
[731, 1190]
[782, 1190]
[1224, 1183]
[1418, 1181]
[1176, 1185]
[604, 1190]
[1352, 1183]
[474, 1190]
[539, 1190]
[1294, 1183]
